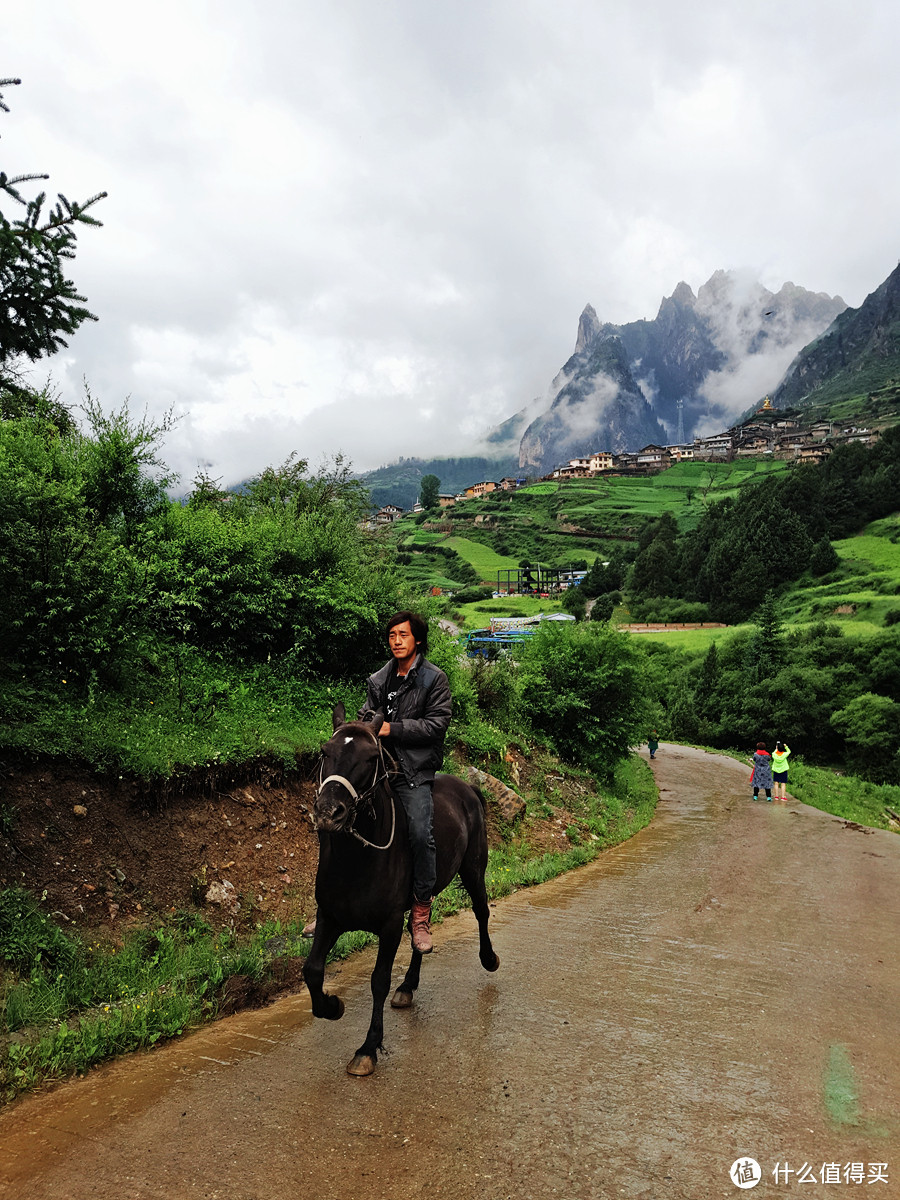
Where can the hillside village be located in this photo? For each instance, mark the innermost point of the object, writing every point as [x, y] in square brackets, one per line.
[771, 432]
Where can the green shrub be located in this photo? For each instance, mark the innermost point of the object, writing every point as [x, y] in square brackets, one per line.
[28, 938]
[583, 686]
[470, 595]
[666, 610]
[603, 607]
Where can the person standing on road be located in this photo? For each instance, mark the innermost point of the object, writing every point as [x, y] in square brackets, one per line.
[653, 743]
[762, 771]
[780, 769]
[414, 696]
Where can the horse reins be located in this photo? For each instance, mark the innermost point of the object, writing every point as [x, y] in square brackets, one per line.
[365, 796]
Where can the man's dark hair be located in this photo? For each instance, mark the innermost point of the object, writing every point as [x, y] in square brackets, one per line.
[416, 624]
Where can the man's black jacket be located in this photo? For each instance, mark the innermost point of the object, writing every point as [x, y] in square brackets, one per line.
[422, 713]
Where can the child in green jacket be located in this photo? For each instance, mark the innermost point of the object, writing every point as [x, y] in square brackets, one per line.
[780, 758]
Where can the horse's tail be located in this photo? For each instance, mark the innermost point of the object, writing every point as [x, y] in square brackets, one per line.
[480, 794]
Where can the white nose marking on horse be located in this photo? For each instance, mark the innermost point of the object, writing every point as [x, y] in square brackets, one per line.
[347, 741]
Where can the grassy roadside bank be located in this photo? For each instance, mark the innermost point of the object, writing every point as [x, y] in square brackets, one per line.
[71, 1000]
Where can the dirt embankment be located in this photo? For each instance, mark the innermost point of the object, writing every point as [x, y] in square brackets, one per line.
[103, 854]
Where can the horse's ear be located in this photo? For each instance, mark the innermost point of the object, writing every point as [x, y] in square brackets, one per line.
[338, 717]
[376, 720]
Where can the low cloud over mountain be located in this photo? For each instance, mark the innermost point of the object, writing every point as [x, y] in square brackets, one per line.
[699, 363]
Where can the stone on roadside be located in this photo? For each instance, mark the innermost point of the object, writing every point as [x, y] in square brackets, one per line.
[222, 893]
[79, 810]
[510, 805]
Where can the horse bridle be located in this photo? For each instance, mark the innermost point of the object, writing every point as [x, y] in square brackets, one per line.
[366, 796]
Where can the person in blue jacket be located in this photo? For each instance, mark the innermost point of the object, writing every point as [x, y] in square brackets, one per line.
[762, 771]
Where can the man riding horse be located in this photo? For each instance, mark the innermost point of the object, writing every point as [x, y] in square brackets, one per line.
[414, 697]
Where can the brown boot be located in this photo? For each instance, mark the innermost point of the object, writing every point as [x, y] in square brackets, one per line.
[421, 926]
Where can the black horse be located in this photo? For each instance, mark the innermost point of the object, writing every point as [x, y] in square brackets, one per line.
[364, 879]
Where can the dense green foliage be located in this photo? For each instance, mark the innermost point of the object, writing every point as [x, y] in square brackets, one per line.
[770, 533]
[583, 687]
[118, 601]
[831, 697]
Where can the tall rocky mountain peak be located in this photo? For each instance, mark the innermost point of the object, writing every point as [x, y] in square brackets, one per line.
[588, 327]
[703, 359]
[683, 295]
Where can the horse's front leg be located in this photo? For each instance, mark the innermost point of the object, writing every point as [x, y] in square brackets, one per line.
[363, 1061]
[323, 1004]
[403, 997]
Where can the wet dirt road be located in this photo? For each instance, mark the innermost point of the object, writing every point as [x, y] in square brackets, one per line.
[725, 985]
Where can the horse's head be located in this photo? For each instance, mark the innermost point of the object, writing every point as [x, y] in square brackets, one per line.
[351, 762]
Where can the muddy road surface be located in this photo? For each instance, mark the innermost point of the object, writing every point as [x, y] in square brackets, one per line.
[724, 987]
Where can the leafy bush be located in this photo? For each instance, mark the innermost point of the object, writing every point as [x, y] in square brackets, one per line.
[496, 686]
[669, 611]
[583, 686]
[470, 595]
[603, 607]
[870, 723]
[574, 601]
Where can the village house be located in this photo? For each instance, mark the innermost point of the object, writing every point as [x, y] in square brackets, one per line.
[446, 500]
[866, 436]
[681, 452]
[509, 483]
[815, 452]
[719, 446]
[653, 456]
[754, 440]
[387, 514]
[788, 445]
[820, 431]
[600, 460]
[480, 489]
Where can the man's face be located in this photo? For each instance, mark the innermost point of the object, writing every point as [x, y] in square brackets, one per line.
[402, 642]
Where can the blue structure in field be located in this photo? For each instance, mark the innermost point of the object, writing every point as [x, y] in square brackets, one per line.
[485, 643]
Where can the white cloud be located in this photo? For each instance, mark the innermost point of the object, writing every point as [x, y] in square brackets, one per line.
[373, 227]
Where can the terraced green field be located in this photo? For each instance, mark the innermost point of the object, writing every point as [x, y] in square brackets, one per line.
[485, 560]
[878, 547]
[684, 490]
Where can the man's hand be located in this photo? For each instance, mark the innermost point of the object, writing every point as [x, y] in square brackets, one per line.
[385, 730]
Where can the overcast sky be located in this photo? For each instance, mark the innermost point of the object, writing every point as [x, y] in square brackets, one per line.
[370, 226]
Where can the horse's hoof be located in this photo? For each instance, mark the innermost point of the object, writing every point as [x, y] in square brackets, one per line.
[401, 999]
[491, 966]
[361, 1064]
[335, 1009]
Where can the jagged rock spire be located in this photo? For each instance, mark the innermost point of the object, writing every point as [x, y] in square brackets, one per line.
[588, 328]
